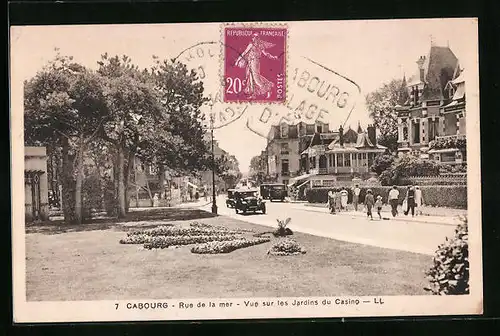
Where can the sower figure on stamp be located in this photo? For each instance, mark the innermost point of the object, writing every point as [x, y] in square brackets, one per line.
[256, 84]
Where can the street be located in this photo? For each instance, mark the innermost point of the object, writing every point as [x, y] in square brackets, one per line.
[400, 233]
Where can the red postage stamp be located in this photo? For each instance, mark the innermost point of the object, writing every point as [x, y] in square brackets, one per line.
[255, 64]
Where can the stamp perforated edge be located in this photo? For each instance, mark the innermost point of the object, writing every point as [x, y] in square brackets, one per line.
[222, 59]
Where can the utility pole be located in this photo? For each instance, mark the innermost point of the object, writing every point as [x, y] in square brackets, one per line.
[214, 201]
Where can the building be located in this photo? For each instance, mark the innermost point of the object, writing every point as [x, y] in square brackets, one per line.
[431, 123]
[347, 156]
[36, 195]
[312, 152]
[285, 143]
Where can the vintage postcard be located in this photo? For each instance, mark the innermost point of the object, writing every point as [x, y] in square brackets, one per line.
[246, 170]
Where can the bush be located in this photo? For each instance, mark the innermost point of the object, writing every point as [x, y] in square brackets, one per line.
[407, 166]
[91, 195]
[438, 196]
[449, 275]
[282, 230]
[286, 246]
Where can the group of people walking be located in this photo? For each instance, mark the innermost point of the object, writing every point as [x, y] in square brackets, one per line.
[337, 200]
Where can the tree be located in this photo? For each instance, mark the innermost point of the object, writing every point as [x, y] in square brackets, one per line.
[134, 109]
[381, 104]
[227, 167]
[64, 106]
[382, 162]
[180, 146]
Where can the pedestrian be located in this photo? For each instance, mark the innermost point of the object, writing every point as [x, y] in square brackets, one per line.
[331, 202]
[338, 201]
[393, 200]
[410, 201]
[355, 197]
[378, 206]
[419, 200]
[344, 196]
[369, 202]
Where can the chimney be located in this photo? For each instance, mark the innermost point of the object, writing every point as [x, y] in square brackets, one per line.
[420, 63]
[341, 136]
[372, 134]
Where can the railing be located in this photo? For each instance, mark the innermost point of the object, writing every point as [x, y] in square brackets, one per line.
[445, 179]
[285, 173]
[452, 136]
[284, 152]
[322, 171]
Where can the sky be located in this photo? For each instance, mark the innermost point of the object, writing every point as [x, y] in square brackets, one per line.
[369, 53]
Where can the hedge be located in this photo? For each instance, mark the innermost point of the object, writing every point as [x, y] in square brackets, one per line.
[440, 196]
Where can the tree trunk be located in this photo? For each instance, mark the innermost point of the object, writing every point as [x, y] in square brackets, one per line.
[161, 179]
[66, 183]
[120, 166]
[129, 170]
[79, 182]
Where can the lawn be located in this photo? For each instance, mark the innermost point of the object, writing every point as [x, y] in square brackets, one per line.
[88, 263]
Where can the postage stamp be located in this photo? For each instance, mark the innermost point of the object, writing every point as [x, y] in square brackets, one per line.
[255, 64]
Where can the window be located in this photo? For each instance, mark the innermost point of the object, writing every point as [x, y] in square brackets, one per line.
[347, 159]
[284, 167]
[301, 129]
[371, 157]
[284, 148]
[416, 132]
[365, 163]
[319, 128]
[433, 128]
[284, 131]
[152, 170]
[331, 160]
[340, 160]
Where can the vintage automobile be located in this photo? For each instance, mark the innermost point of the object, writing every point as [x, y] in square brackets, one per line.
[249, 200]
[230, 198]
[273, 191]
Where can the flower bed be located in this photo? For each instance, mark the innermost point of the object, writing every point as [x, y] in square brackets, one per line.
[180, 231]
[286, 246]
[166, 241]
[216, 247]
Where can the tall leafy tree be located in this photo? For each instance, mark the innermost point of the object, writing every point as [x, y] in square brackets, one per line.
[179, 143]
[134, 111]
[381, 104]
[64, 107]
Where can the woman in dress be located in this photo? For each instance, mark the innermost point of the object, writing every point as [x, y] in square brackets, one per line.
[338, 202]
[343, 198]
[255, 83]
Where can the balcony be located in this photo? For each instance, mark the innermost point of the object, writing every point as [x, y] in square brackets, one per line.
[284, 152]
[285, 173]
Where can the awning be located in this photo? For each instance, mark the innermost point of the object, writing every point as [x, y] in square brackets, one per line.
[294, 180]
[192, 185]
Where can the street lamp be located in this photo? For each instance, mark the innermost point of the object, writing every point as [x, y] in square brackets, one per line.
[214, 201]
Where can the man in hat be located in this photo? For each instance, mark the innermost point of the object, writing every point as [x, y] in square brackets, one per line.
[393, 200]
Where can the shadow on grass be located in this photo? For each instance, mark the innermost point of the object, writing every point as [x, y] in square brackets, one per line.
[143, 219]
